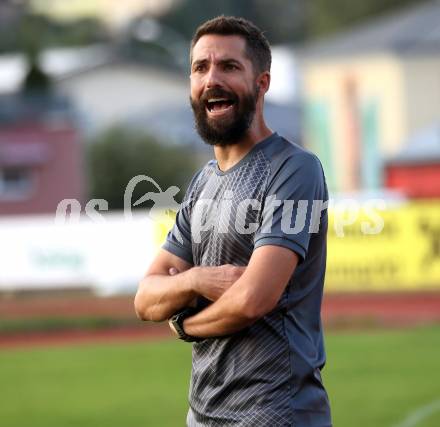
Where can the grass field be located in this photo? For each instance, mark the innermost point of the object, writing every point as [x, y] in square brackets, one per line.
[374, 379]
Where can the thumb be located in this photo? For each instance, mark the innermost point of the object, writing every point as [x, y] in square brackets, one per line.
[172, 271]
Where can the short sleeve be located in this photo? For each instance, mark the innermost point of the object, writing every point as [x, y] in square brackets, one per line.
[178, 240]
[296, 199]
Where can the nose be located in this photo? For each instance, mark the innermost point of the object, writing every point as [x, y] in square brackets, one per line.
[213, 77]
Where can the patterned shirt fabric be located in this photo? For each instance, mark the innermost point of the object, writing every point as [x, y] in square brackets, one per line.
[268, 374]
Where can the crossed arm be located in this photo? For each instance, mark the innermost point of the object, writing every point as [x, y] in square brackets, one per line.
[240, 295]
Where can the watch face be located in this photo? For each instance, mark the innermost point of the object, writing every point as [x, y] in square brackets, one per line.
[172, 326]
[177, 322]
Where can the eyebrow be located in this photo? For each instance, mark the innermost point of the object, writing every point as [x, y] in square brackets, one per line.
[221, 61]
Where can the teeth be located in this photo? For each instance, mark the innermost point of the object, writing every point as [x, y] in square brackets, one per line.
[217, 99]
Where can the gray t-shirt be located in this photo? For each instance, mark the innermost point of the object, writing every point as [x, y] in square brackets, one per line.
[267, 374]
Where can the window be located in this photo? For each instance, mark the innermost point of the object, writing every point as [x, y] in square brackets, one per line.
[15, 183]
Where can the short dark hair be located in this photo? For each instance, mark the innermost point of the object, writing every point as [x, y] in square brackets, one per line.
[257, 46]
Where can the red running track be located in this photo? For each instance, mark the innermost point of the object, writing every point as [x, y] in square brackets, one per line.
[340, 311]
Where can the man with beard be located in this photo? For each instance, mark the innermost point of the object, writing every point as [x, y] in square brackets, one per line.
[241, 273]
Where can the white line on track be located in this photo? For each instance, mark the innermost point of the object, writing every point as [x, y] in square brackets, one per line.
[420, 414]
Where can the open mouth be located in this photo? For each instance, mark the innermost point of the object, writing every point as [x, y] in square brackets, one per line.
[218, 105]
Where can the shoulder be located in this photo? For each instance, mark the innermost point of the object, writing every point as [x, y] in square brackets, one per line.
[199, 178]
[205, 170]
[288, 157]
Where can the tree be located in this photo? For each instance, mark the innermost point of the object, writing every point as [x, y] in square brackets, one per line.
[323, 17]
[118, 155]
[23, 30]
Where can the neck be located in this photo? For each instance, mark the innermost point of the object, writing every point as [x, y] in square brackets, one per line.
[230, 155]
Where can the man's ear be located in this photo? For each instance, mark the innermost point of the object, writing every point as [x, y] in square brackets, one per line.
[263, 81]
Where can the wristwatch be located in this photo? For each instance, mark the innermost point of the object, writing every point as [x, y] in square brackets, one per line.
[177, 321]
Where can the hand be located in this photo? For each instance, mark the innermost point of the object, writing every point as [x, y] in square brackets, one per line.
[172, 272]
[212, 282]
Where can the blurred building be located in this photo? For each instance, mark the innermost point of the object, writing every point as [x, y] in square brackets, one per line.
[126, 93]
[41, 143]
[368, 92]
[415, 170]
[40, 155]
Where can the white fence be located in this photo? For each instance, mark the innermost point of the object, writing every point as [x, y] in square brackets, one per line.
[109, 256]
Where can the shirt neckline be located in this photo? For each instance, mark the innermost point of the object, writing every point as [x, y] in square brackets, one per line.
[247, 156]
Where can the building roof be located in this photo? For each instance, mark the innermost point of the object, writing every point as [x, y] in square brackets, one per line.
[414, 29]
[422, 147]
[56, 62]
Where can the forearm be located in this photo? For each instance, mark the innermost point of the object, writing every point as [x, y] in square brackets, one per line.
[229, 314]
[255, 294]
[160, 296]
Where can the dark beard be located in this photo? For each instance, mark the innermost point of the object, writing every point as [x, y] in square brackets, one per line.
[222, 133]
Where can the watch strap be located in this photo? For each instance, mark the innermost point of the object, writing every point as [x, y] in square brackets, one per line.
[177, 321]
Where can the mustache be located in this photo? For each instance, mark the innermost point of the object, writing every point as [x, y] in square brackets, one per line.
[217, 92]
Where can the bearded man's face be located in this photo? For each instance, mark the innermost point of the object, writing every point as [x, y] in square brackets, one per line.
[223, 89]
